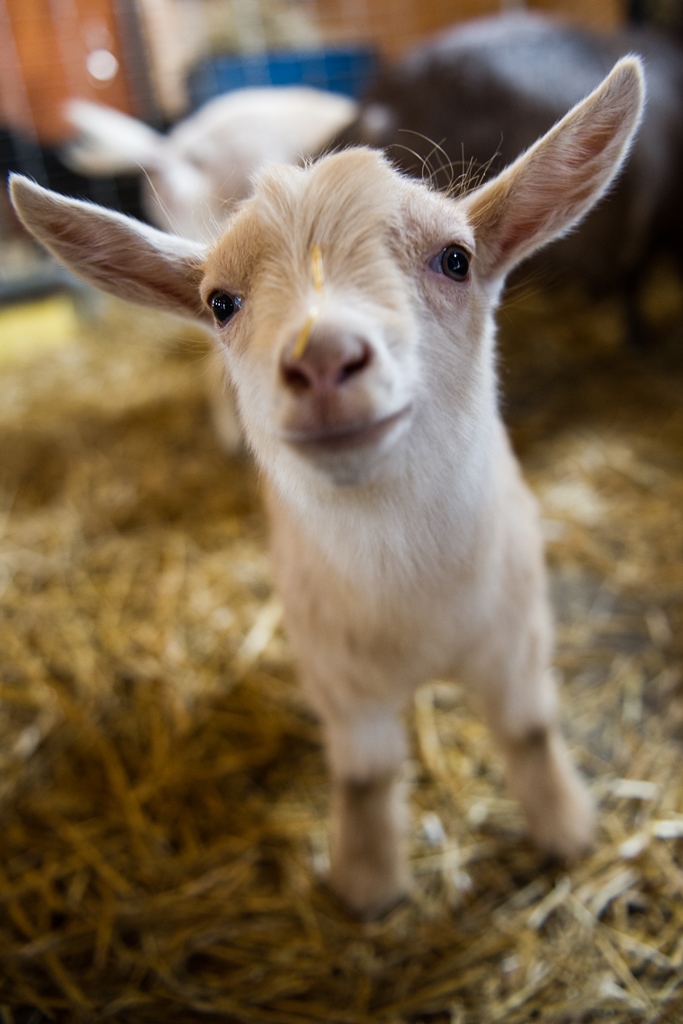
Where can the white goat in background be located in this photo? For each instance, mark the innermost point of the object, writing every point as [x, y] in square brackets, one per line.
[206, 163]
[355, 310]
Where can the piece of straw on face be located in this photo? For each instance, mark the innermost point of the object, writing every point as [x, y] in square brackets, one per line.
[314, 311]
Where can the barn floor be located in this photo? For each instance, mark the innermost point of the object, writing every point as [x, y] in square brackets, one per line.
[162, 790]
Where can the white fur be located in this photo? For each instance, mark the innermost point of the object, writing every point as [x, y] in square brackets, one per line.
[206, 163]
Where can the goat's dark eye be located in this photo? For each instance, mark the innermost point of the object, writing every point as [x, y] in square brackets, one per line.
[455, 263]
[223, 306]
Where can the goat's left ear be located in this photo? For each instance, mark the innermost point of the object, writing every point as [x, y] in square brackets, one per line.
[551, 186]
[113, 252]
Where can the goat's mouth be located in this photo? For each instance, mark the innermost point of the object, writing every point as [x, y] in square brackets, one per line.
[346, 437]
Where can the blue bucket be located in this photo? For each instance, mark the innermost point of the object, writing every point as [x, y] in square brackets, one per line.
[346, 70]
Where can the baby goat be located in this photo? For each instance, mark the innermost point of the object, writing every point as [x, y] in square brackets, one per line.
[355, 309]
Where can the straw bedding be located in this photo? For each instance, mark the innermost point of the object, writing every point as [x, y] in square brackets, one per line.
[162, 789]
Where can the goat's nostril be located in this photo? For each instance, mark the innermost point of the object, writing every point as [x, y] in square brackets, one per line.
[354, 366]
[295, 378]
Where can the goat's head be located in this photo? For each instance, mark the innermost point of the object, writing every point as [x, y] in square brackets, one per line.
[350, 301]
[323, 321]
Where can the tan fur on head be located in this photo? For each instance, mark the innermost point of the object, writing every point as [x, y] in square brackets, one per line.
[405, 542]
[344, 202]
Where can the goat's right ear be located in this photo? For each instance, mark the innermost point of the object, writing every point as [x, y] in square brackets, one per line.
[114, 252]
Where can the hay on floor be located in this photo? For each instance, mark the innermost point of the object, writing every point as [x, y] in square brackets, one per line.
[162, 791]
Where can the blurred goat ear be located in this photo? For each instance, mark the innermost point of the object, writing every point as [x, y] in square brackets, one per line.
[551, 186]
[113, 252]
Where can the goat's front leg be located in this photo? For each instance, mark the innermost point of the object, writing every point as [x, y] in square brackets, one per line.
[543, 777]
[520, 702]
[367, 856]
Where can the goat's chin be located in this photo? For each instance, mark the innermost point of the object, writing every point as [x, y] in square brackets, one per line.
[354, 458]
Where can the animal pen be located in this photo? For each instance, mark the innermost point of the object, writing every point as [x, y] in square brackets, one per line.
[163, 792]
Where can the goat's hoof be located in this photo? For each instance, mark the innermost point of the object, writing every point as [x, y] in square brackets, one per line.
[566, 831]
[366, 893]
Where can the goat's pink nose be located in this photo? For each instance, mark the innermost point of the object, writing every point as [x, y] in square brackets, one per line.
[328, 361]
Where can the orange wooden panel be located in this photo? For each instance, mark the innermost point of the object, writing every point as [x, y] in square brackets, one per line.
[603, 15]
[46, 50]
[393, 25]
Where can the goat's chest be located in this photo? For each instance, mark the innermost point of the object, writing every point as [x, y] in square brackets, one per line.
[378, 625]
